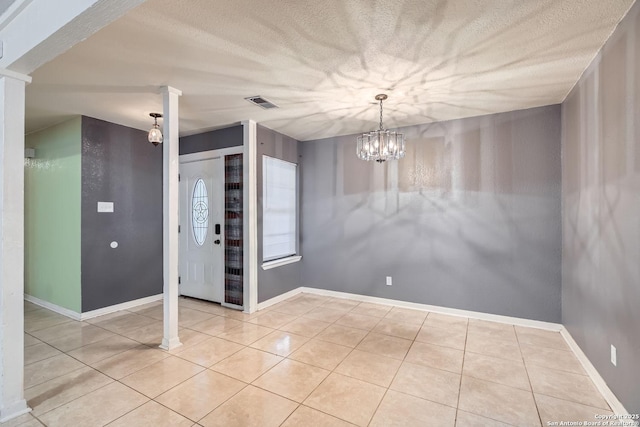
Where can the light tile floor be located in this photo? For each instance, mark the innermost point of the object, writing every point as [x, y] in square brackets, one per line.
[307, 361]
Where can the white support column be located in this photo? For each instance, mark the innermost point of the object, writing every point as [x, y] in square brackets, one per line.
[250, 225]
[12, 402]
[170, 164]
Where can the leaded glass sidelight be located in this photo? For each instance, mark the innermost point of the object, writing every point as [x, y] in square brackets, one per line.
[200, 212]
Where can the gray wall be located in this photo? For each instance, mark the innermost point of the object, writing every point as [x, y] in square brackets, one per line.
[213, 140]
[119, 165]
[601, 211]
[470, 219]
[281, 279]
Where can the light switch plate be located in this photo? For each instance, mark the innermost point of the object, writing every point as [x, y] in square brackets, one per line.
[614, 356]
[105, 206]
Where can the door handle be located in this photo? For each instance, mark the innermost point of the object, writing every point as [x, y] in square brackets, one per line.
[217, 241]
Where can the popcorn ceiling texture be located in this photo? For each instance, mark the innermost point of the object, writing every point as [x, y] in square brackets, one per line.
[323, 62]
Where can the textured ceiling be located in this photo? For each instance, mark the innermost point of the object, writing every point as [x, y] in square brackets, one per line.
[322, 62]
[4, 5]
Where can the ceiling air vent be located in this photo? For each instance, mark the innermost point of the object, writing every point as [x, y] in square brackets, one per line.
[261, 102]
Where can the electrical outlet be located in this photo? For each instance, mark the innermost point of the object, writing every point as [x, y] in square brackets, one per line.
[614, 356]
[389, 281]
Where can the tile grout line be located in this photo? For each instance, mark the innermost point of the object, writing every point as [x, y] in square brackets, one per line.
[535, 402]
[461, 375]
[464, 357]
[113, 379]
[171, 388]
[59, 376]
[574, 402]
[245, 346]
[397, 370]
[247, 320]
[79, 397]
[321, 382]
[264, 373]
[354, 348]
[333, 371]
[149, 398]
[92, 368]
[207, 414]
[139, 406]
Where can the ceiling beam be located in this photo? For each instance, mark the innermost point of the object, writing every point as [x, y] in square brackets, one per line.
[44, 29]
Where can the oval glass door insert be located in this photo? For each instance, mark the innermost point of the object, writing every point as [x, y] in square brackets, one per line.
[200, 212]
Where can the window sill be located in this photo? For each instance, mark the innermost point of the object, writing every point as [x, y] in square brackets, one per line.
[280, 262]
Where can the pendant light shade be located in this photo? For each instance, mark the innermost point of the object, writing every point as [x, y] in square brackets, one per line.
[155, 134]
[382, 144]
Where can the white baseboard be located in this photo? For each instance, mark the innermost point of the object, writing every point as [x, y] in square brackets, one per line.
[14, 410]
[600, 383]
[119, 307]
[231, 306]
[436, 309]
[53, 307]
[93, 313]
[606, 392]
[279, 298]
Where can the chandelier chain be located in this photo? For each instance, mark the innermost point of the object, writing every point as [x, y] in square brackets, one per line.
[381, 128]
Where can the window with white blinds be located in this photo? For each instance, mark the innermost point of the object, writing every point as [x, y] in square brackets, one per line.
[278, 208]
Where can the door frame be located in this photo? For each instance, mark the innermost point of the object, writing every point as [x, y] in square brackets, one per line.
[250, 173]
[206, 155]
[210, 154]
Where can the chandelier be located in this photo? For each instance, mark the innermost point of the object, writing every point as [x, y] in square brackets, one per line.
[382, 144]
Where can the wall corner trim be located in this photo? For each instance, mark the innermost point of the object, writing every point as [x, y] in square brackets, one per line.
[15, 75]
[250, 223]
[616, 406]
[93, 313]
[53, 307]
[14, 411]
[119, 307]
[279, 298]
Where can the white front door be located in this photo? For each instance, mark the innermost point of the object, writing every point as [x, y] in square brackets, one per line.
[202, 229]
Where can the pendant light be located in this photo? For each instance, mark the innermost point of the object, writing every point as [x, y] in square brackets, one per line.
[155, 135]
[382, 144]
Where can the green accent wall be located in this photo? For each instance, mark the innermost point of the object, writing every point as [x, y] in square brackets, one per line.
[53, 213]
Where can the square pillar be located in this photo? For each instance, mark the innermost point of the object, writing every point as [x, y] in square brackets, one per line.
[170, 199]
[12, 402]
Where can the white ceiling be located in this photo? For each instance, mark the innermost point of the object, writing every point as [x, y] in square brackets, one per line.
[5, 5]
[323, 61]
